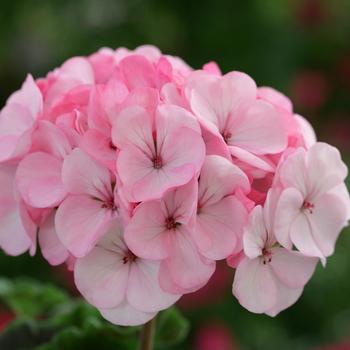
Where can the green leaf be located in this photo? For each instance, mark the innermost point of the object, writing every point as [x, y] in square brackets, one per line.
[26, 334]
[171, 328]
[30, 298]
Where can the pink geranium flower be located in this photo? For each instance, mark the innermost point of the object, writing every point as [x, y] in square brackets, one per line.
[269, 278]
[17, 229]
[163, 230]
[91, 203]
[235, 121]
[122, 285]
[17, 120]
[221, 216]
[311, 212]
[157, 153]
[38, 175]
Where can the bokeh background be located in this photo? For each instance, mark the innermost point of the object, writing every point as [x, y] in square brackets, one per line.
[301, 47]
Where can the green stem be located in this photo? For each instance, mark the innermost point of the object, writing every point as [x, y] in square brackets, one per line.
[147, 335]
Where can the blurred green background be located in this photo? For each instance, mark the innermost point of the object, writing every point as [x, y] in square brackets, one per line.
[301, 47]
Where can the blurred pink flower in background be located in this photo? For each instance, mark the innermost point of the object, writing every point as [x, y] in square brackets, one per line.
[214, 336]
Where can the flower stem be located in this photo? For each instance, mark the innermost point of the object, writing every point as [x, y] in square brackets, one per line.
[147, 335]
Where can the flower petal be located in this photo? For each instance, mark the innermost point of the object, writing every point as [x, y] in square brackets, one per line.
[328, 218]
[80, 222]
[83, 175]
[219, 178]
[39, 182]
[219, 227]
[287, 209]
[51, 247]
[126, 315]
[292, 268]
[325, 168]
[260, 130]
[144, 292]
[146, 234]
[187, 267]
[254, 286]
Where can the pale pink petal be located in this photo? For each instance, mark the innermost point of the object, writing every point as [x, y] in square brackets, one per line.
[272, 198]
[83, 175]
[342, 192]
[285, 297]
[292, 268]
[126, 315]
[325, 168]
[15, 237]
[145, 97]
[146, 234]
[133, 126]
[49, 138]
[80, 222]
[187, 267]
[219, 227]
[144, 292]
[287, 210]
[303, 238]
[182, 153]
[141, 181]
[39, 181]
[213, 98]
[219, 178]
[51, 247]
[255, 234]
[251, 159]
[28, 96]
[170, 118]
[77, 68]
[102, 277]
[275, 97]
[137, 72]
[306, 130]
[167, 283]
[181, 203]
[328, 218]
[215, 144]
[260, 130]
[99, 147]
[16, 125]
[293, 172]
[254, 286]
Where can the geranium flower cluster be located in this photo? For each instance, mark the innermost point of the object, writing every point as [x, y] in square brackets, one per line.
[140, 173]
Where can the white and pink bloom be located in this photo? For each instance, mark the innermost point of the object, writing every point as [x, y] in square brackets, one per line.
[122, 285]
[140, 173]
[311, 210]
[269, 278]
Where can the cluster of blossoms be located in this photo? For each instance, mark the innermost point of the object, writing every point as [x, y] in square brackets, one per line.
[140, 173]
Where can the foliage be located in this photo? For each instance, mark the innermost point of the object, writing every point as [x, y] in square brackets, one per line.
[48, 319]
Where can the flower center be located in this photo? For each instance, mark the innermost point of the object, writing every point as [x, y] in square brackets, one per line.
[109, 204]
[266, 256]
[157, 162]
[226, 136]
[308, 206]
[171, 224]
[129, 257]
[112, 146]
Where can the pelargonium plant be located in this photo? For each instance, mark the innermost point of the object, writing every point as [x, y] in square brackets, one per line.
[140, 173]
